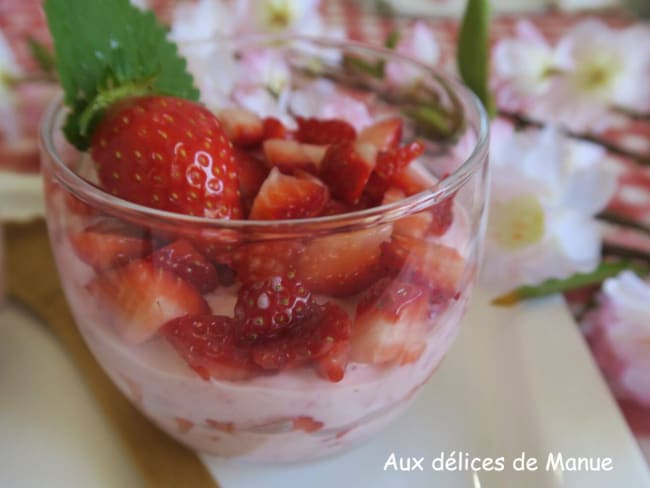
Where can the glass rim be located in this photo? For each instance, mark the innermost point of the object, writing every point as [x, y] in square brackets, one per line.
[386, 213]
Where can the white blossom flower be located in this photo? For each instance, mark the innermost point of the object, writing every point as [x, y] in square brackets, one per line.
[523, 66]
[194, 26]
[619, 332]
[9, 70]
[419, 43]
[609, 68]
[201, 20]
[323, 99]
[280, 16]
[259, 100]
[546, 190]
[267, 68]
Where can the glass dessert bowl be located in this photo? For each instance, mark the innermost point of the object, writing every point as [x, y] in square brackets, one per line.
[285, 340]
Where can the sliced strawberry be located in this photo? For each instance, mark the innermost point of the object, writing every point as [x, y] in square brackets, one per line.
[275, 129]
[289, 156]
[388, 321]
[335, 207]
[324, 131]
[77, 207]
[375, 189]
[288, 197]
[268, 308]
[307, 424]
[385, 134]
[261, 261]
[333, 363]
[442, 216]
[110, 243]
[416, 225]
[413, 180]
[141, 298]
[243, 127]
[182, 259]
[252, 174]
[426, 263]
[342, 264]
[309, 339]
[346, 168]
[167, 153]
[392, 161]
[208, 343]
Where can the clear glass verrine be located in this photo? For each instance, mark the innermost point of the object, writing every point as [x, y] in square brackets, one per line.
[423, 244]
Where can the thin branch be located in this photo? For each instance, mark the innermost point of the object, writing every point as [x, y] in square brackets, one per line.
[626, 253]
[523, 121]
[619, 220]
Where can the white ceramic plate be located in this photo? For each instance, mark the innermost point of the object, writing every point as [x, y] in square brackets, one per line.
[516, 380]
[21, 196]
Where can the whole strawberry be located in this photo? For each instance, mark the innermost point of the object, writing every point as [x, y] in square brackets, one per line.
[167, 153]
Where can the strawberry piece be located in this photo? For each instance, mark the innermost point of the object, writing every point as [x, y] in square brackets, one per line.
[375, 189]
[442, 216]
[275, 129]
[412, 180]
[389, 321]
[289, 156]
[335, 207]
[141, 298]
[252, 174]
[392, 161]
[170, 154]
[342, 264]
[390, 164]
[267, 308]
[332, 364]
[425, 263]
[416, 225]
[385, 134]
[346, 169]
[258, 262]
[182, 259]
[324, 131]
[308, 339]
[109, 243]
[289, 197]
[208, 343]
[307, 424]
[243, 127]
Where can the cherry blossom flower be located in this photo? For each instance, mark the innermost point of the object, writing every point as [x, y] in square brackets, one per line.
[9, 70]
[212, 64]
[323, 99]
[266, 67]
[609, 69]
[419, 43]
[523, 67]
[546, 190]
[258, 99]
[576, 83]
[282, 16]
[201, 20]
[619, 332]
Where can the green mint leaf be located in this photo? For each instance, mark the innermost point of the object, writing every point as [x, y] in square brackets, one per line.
[474, 51]
[106, 50]
[42, 55]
